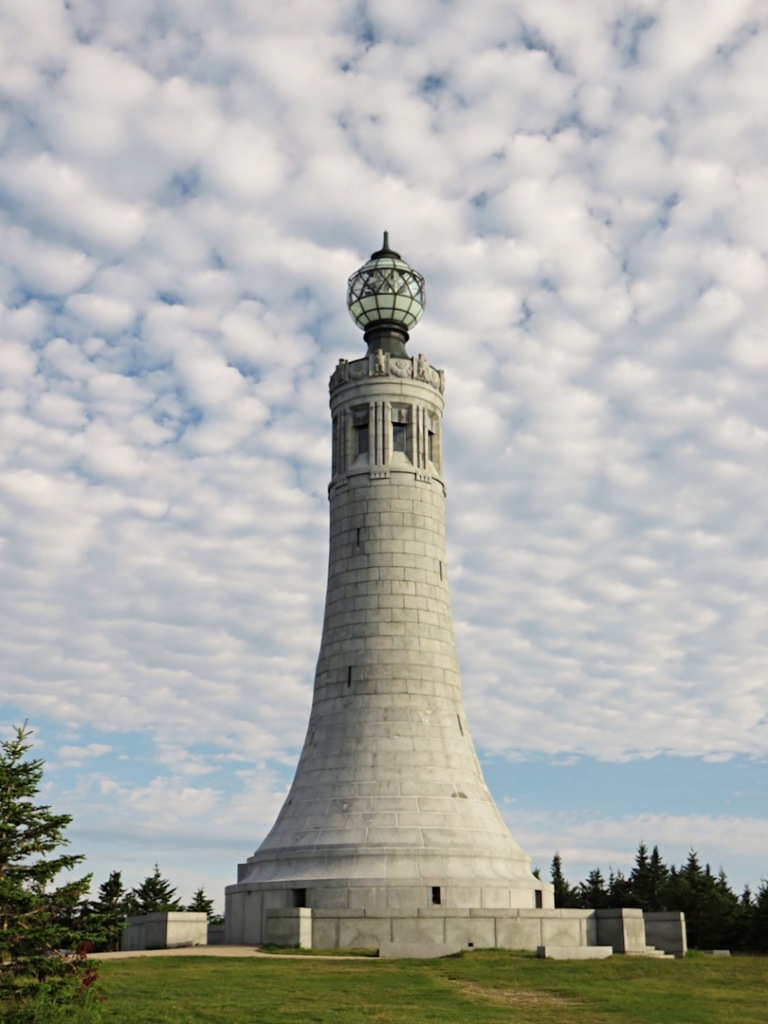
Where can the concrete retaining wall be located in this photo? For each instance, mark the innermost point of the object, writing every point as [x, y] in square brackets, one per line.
[165, 931]
[447, 929]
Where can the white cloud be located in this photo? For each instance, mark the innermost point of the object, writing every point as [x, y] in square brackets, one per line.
[585, 192]
[60, 194]
[78, 755]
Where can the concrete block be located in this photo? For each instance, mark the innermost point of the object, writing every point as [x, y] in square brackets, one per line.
[325, 933]
[417, 930]
[363, 932]
[252, 918]
[440, 910]
[407, 897]
[329, 913]
[331, 897]
[133, 935]
[621, 928]
[574, 952]
[369, 898]
[496, 899]
[518, 933]
[559, 932]
[666, 930]
[471, 932]
[171, 930]
[291, 927]
[185, 928]
[463, 896]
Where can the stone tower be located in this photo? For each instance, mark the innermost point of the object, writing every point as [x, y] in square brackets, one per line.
[389, 816]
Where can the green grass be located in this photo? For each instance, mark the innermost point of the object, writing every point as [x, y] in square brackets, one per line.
[486, 987]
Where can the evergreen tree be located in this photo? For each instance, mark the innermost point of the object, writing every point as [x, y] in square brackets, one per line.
[201, 904]
[713, 915]
[727, 917]
[619, 890]
[154, 894]
[37, 917]
[106, 915]
[684, 890]
[565, 895]
[757, 921]
[648, 880]
[593, 894]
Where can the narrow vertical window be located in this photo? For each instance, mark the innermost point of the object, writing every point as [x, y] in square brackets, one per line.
[401, 429]
[399, 437]
[461, 727]
[441, 569]
[539, 899]
[362, 431]
[349, 676]
[437, 898]
[363, 443]
[433, 441]
[358, 536]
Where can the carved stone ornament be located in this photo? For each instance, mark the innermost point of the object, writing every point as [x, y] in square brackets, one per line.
[382, 364]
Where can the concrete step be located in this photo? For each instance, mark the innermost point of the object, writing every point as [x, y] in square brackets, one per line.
[651, 951]
[574, 952]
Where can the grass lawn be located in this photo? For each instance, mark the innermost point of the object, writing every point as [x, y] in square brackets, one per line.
[485, 987]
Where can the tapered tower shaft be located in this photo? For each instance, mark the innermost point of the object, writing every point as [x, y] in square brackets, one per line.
[388, 808]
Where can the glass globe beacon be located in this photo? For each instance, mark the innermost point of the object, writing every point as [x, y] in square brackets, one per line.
[386, 290]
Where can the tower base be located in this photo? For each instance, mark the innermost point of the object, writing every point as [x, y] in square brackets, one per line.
[442, 930]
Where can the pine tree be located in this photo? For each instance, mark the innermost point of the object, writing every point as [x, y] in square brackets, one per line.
[106, 915]
[37, 918]
[201, 904]
[619, 890]
[648, 879]
[565, 895]
[757, 924]
[154, 894]
[593, 893]
[714, 916]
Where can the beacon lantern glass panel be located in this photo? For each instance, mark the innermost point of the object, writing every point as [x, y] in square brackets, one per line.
[386, 289]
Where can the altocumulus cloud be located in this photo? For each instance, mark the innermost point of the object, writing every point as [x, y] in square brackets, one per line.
[185, 188]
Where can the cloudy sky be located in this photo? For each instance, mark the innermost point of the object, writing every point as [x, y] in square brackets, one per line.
[186, 186]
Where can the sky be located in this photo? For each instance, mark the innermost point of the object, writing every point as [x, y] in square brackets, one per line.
[185, 187]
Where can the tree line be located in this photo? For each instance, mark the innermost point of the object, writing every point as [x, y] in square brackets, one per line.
[716, 917]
